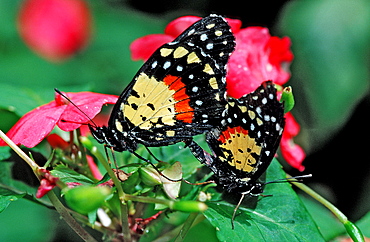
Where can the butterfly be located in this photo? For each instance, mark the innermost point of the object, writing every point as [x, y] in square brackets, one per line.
[176, 94]
[245, 142]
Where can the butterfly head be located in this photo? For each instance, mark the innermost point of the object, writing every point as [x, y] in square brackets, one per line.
[112, 138]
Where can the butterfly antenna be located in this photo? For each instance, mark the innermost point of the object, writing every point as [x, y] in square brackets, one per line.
[190, 183]
[155, 168]
[79, 109]
[291, 179]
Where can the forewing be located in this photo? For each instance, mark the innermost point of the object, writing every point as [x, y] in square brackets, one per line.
[178, 92]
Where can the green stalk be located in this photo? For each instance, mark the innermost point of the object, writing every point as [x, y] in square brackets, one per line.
[134, 198]
[19, 152]
[352, 230]
[185, 229]
[67, 217]
[122, 196]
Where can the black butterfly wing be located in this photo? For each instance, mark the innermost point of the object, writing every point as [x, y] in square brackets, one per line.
[249, 135]
[177, 93]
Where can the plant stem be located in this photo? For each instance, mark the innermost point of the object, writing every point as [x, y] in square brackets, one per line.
[352, 229]
[21, 154]
[186, 227]
[174, 232]
[122, 196]
[168, 203]
[69, 219]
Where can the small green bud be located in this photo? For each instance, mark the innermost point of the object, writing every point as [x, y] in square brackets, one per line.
[288, 99]
[149, 176]
[189, 206]
[85, 199]
[86, 142]
[353, 231]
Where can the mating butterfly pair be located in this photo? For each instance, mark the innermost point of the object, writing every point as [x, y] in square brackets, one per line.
[181, 92]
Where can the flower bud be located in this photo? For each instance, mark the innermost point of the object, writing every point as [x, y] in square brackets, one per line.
[85, 199]
[353, 231]
[149, 176]
[55, 29]
[288, 99]
[189, 206]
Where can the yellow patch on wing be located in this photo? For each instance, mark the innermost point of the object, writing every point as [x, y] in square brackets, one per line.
[154, 101]
[208, 69]
[180, 52]
[218, 32]
[193, 58]
[213, 83]
[165, 52]
[237, 141]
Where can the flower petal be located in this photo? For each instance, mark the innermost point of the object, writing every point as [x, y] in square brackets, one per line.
[56, 141]
[292, 153]
[235, 24]
[257, 57]
[248, 62]
[177, 26]
[291, 125]
[93, 168]
[90, 104]
[280, 57]
[34, 126]
[142, 48]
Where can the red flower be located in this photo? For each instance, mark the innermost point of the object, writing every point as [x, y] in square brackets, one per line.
[258, 57]
[173, 29]
[55, 29]
[55, 141]
[292, 152]
[47, 182]
[35, 125]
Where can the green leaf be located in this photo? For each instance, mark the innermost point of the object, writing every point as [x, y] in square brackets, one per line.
[279, 217]
[68, 175]
[27, 221]
[9, 186]
[6, 200]
[328, 224]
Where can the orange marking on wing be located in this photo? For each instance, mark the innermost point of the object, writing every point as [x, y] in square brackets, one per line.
[225, 135]
[184, 110]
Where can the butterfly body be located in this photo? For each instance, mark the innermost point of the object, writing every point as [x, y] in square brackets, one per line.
[177, 94]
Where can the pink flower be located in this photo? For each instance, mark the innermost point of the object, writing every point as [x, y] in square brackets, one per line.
[258, 57]
[173, 29]
[292, 152]
[47, 182]
[55, 29]
[35, 125]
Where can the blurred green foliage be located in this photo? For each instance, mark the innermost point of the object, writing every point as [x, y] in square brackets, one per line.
[330, 73]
